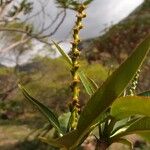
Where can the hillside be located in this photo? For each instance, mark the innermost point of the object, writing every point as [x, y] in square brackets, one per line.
[119, 41]
[122, 38]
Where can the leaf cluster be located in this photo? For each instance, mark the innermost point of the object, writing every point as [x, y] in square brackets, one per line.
[114, 114]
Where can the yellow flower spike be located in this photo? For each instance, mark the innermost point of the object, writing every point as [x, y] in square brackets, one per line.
[75, 106]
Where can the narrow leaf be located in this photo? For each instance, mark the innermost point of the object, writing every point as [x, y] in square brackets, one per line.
[87, 2]
[93, 83]
[62, 52]
[67, 141]
[105, 95]
[87, 83]
[43, 109]
[140, 126]
[72, 139]
[113, 87]
[64, 120]
[123, 124]
[128, 106]
[51, 142]
[146, 93]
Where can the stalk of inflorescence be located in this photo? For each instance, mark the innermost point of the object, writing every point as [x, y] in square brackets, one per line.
[134, 83]
[131, 90]
[75, 53]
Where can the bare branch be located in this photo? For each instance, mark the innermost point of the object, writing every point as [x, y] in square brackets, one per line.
[52, 23]
[12, 46]
[13, 30]
[57, 27]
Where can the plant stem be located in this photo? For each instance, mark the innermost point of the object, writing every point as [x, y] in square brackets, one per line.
[131, 90]
[75, 106]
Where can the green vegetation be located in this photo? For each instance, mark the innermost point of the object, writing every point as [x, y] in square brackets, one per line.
[98, 102]
[51, 87]
[109, 105]
[96, 111]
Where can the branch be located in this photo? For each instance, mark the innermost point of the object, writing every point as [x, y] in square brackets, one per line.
[57, 27]
[13, 30]
[51, 24]
[15, 44]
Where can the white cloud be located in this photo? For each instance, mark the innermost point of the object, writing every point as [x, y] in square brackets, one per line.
[100, 13]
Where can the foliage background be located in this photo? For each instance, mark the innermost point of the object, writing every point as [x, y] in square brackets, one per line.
[49, 79]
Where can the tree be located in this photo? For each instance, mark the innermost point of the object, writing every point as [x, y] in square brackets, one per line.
[9, 19]
[18, 33]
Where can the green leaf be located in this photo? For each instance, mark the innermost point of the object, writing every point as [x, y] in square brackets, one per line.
[62, 52]
[123, 124]
[112, 88]
[128, 106]
[87, 2]
[118, 125]
[66, 141]
[51, 142]
[88, 84]
[105, 95]
[146, 93]
[43, 109]
[69, 139]
[140, 126]
[73, 139]
[93, 84]
[63, 120]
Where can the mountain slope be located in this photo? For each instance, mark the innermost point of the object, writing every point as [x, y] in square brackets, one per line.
[120, 39]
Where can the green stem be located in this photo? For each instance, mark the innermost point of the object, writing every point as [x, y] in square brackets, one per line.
[74, 106]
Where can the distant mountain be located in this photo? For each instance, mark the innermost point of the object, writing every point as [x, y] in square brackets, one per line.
[2, 66]
[120, 39]
[30, 67]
